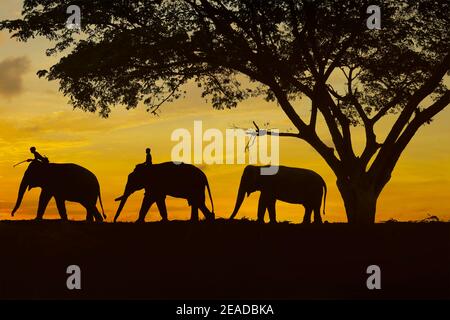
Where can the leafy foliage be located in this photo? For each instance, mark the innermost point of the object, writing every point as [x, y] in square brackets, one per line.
[131, 51]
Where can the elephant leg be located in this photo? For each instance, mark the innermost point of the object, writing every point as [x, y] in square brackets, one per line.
[194, 213]
[208, 214]
[146, 204]
[271, 209]
[44, 199]
[93, 214]
[89, 216]
[307, 217]
[89, 213]
[61, 205]
[262, 206]
[162, 209]
[317, 217]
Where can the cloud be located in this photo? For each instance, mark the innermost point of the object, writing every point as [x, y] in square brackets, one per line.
[11, 73]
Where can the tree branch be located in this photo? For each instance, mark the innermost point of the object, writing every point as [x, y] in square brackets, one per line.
[269, 132]
[306, 133]
[330, 112]
[427, 88]
[371, 146]
[419, 120]
[386, 108]
[300, 39]
[345, 45]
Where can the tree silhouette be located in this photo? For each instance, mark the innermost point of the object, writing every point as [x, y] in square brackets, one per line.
[132, 51]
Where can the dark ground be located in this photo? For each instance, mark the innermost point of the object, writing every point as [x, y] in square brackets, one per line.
[223, 260]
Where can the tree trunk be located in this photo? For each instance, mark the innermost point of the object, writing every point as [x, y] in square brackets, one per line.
[360, 200]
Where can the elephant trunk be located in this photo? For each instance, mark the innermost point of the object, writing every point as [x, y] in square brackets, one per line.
[22, 189]
[239, 200]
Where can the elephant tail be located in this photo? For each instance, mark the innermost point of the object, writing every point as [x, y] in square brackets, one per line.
[101, 204]
[210, 197]
[324, 195]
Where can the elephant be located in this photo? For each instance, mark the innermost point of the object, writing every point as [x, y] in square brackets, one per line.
[178, 180]
[64, 182]
[292, 185]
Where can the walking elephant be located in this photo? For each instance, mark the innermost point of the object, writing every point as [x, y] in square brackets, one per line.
[292, 185]
[64, 182]
[168, 179]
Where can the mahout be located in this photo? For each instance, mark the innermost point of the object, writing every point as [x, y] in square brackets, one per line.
[160, 180]
[292, 185]
[64, 182]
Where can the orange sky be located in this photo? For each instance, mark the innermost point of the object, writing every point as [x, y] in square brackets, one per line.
[33, 112]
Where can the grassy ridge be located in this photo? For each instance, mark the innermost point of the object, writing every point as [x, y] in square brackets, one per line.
[234, 260]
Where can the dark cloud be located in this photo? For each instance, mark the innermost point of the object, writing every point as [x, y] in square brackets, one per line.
[11, 73]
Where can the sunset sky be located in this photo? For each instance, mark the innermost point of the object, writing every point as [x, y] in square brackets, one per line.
[34, 113]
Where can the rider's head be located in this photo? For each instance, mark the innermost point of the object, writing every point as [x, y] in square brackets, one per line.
[33, 149]
[147, 150]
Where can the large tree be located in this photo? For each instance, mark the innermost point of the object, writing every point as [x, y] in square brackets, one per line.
[146, 50]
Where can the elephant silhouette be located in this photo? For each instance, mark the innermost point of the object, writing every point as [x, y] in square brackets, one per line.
[64, 182]
[168, 179]
[292, 185]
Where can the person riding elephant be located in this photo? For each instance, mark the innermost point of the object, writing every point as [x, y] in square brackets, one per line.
[64, 182]
[38, 156]
[148, 156]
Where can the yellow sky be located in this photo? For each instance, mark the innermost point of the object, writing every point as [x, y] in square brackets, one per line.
[33, 112]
